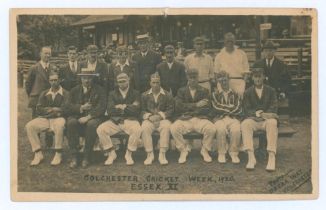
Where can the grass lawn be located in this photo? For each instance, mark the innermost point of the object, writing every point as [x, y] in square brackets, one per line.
[292, 174]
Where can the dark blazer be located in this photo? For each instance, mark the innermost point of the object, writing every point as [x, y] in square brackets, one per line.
[277, 76]
[252, 103]
[185, 105]
[96, 96]
[132, 101]
[69, 79]
[145, 67]
[174, 78]
[37, 81]
[114, 70]
[45, 102]
[165, 104]
[102, 69]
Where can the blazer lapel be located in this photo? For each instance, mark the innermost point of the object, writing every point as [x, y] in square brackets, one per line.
[42, 71]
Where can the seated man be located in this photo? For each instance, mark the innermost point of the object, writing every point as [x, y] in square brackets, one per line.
[260, 108]
[226, 111]
[193, 107]
[123, 109]
[157, 109]
[87, 104]
[50, 110]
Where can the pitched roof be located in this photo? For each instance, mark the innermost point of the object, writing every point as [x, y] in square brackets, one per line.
[98, 19]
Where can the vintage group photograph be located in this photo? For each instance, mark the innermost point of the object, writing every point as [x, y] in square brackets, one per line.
[151, 105]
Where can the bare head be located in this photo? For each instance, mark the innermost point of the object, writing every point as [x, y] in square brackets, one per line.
[45, 54]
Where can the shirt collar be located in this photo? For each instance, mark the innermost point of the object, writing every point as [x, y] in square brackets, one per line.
[226, 92]
[60, 91]
[144, 53]
[161, 91]
[93, 64]
[124, 91]
[75, 62]
[126, 63]
[44, 65]
[272, 60]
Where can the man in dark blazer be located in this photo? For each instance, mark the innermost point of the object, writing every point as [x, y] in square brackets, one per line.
[70, 70]
[123, 109]
[172, 72]
[38, 78]
[277, 75]
[146, 62]
[51, 115]
[122, 65]
[98, 67]
[86, 105]
[260, 110]
[193, 108]
[157, 108]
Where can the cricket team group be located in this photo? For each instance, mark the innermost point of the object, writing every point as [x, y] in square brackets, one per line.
[222, 99]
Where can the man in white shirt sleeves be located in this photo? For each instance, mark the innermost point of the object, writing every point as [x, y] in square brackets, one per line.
[234, 61]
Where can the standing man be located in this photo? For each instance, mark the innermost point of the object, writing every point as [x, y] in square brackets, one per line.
[97, 67]
[70, 70]
[87, 104]
[123, 65]
[235, 62]
[275, 70]
[172, 72]
[123, 109]
[202, 62]
[193, 107]
[50, 111]
[260, 109]
[157, 109]
[227, 109]
[38, 78]
[146, 62]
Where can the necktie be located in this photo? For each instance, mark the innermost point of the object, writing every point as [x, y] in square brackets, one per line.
[269, 63]
[73, 67]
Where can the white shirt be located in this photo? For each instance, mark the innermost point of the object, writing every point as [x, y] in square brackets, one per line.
[169, 65]
[203, 63]
[71, 66]
[124, 92]
[45, 65]
[85, 89]
[259, 92]
[122, 65]
[54, 94]
[91, 66]
[192, 92]
[271, 62]
[226, 94]
[234, 63]
[157, 95]
[144, 53]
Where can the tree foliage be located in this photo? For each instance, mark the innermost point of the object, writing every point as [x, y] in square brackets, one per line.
[35, 31]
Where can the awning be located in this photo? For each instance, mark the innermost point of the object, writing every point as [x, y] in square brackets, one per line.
[98, 19]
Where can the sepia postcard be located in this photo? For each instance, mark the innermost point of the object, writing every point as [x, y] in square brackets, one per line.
[164, 104]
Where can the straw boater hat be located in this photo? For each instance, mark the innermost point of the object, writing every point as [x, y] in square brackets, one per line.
[142, 38]
[87, 72]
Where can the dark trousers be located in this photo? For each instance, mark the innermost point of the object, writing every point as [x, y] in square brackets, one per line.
[88, 130]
